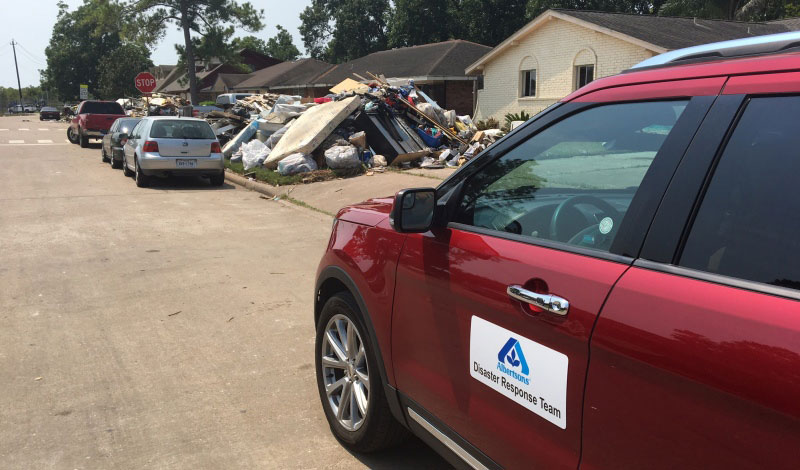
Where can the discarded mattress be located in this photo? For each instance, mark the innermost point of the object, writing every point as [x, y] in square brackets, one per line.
[311, 128]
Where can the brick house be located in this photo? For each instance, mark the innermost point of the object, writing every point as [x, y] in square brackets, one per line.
[562, 50]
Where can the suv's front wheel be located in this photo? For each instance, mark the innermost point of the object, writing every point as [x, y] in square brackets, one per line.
[348, 380]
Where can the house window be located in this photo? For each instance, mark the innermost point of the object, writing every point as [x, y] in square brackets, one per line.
[528, 78]
[583, 75]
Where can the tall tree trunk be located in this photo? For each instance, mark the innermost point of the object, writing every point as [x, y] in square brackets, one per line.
[187, 37]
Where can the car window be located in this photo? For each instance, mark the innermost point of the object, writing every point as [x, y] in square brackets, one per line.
[748, 222]
[126, 124]
[101, 107]
[572, 182]
[135, 133]
[181, 129]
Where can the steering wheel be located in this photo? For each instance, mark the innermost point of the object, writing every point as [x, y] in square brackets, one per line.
[608, 209]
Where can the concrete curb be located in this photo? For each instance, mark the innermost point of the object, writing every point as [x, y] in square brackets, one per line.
[257, 186]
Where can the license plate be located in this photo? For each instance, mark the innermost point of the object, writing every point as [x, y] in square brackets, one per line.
[184, 163]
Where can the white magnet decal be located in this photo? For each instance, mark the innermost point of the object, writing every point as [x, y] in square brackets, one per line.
[525, 371]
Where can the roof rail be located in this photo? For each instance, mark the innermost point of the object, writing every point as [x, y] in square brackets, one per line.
[757, 45]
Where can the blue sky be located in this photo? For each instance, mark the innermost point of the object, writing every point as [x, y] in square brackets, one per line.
[33, 32]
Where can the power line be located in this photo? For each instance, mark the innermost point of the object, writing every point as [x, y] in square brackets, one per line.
[33, 60]
[31, 55]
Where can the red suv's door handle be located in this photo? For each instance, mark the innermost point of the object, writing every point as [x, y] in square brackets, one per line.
[551, 303]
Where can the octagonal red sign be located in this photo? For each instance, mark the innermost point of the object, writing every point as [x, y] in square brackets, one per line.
[145, 82]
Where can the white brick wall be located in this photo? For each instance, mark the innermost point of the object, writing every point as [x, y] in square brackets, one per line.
[556, 47]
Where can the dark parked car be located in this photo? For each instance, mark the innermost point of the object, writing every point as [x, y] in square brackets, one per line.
[649, 221]
[48, 112]
[115, 140]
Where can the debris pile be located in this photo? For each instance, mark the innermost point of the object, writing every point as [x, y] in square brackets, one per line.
[355, 128]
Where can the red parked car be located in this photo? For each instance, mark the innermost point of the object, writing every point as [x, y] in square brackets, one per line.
[613, 285]
[93, 120]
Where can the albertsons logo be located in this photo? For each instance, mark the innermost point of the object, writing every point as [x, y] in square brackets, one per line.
[512, 355]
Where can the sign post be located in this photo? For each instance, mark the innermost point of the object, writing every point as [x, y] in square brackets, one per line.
[84, 92]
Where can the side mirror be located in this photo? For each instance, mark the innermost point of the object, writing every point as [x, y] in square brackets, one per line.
[413, 210]
[120, 135]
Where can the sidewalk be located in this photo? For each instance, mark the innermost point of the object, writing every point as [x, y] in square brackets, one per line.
[330, 196]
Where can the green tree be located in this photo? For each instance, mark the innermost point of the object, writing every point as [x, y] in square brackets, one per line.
[281, 46]
[536, 7]
[84, 40]
[77, 45]
[215, 45]
[251, 42]
[416, 22]
[200, 16]
[487, 22]
[340, 30]
[751, 10]
[118, 69]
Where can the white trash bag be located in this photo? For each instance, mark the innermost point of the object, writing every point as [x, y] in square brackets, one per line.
[254, 153]
[296, 163]
[342, 156]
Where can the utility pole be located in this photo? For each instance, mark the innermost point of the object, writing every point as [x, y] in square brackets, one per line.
[19, 86]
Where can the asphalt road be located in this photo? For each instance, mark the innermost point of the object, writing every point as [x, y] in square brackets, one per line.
[167, 327]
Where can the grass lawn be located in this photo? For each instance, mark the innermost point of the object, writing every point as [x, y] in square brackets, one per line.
[262, 174]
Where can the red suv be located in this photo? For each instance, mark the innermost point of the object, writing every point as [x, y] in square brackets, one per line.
[615, 284]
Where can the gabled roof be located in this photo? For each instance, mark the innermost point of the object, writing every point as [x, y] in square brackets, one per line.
[441, 59]
[655, 33]
[226, 81]
[205, 79]
[298, 72]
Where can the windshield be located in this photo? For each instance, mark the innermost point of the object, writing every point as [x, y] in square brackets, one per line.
[100, 107]
[181, 129]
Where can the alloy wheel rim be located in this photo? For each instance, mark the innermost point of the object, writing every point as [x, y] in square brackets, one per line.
[345, 372]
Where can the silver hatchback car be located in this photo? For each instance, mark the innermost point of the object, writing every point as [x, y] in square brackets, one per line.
[168, 145]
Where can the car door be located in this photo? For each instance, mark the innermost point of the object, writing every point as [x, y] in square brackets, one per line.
[696, 355]
[493, 314]
[107, 145]
[133, 140]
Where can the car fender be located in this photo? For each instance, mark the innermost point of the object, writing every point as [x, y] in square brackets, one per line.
[368, 274]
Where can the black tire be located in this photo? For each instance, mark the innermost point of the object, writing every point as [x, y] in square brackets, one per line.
[142, 180]
[217, 180]
[71, 136]
[115, 164]
[105, 157]
[84, 141]
[125, 170]
[379, 430]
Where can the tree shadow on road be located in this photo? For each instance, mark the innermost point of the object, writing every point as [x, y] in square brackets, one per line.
[412, 454]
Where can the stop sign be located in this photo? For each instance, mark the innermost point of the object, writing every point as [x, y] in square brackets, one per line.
[145, 82]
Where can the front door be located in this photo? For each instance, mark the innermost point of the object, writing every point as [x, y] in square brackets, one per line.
[493, 314]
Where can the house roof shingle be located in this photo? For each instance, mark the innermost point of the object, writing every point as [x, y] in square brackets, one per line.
[297, 72]
[675, 32]
[656, 33]
[441, 59]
